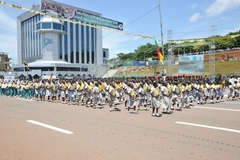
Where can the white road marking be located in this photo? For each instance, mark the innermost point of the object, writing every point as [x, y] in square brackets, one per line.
[223, 109]
[210, 127]
[50, 127]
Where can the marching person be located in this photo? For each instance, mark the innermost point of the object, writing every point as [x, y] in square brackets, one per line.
[175, 96]
[132, 98]
[155, 99]
[165, 98]
[112, 96]
[199, 89]
[71, 89]
[96, 95]
[54, 91]
[141, 95]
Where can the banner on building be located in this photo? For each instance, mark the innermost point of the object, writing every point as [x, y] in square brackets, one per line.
[61, 10]
[191, 64]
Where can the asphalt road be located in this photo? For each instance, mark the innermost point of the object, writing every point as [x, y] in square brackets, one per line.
[203, 132]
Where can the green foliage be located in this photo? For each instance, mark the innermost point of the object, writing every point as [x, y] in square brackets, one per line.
[233, 33]
[225, 42]
[149, 50]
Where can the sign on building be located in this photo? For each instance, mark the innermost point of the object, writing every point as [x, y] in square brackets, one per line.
[55, 8]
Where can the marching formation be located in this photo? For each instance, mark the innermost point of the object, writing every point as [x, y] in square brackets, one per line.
[136, 95]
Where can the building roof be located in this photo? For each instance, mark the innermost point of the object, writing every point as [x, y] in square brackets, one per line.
[49, 19]
[46, 63]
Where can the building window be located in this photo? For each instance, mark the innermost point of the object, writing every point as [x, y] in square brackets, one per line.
[88, 44]
[82, 43]
[46, 25]
[71, 43]
[84, 69]
[60, 47]
[38, 26]
[42, 68]
[68, 69]
[77, 43]
[66, 42]
[57, 26]
[93, 44]
[104, 54]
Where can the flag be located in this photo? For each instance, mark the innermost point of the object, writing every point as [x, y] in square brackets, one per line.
[26, 65]
[50, 78]
[159, 54]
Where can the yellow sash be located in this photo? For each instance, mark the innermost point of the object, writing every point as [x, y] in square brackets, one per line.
[102, 87]
[36, 85]
[17, 86]
[181, 87]
[170, 89]
[133, 93]
[113, 92]
[82, 86]
[90, 88]
[213, 86]
[156, 92]
[26, 87]
[145, 88]
[65, 86]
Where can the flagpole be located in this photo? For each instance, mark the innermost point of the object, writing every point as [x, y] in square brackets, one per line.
[161, 28]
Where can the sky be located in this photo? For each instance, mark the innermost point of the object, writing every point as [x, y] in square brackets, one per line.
[185, 18]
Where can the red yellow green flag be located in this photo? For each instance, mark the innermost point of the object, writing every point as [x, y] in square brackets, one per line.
[159, 54]
[50, 78]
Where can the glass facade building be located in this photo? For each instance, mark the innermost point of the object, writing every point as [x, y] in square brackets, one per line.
[79, 50]
[79, 44]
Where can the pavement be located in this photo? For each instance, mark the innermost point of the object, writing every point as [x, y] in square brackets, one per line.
[45, 130]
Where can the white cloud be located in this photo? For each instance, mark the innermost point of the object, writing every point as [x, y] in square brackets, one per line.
[220, 6]
[194, 5]
[195, 17]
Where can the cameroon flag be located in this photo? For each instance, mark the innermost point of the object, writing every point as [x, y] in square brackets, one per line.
[159, 54]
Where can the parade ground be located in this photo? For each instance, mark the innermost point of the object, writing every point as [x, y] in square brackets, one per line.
[35, 130]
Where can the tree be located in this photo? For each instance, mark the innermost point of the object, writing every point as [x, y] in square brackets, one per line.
[201, 47]
[145, 51]
[233, 33]
[149, 50]
[225, 42]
